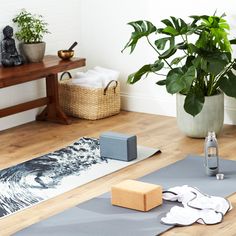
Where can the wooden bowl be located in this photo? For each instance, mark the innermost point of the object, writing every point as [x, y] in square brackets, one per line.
[65, 54]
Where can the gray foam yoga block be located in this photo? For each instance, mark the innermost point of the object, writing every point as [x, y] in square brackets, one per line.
[118, 146]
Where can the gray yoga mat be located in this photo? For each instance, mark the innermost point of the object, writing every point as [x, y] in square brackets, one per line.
[97, 217]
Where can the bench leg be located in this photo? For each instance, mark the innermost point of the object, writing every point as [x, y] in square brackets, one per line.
[52, 111]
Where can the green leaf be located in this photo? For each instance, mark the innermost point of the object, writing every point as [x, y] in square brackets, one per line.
[141, 29]
[228, 84]
[177, 60]
[194, 102]
[200, 63]
[170, 30]
[189, 61]
[145, 70]
[182, 45]
[176, 23]
[161, 43]
[167, 22]
[169, 52]
[174, 82]
[158, 65]
[134, 77]
[178, 80]
[216, 62]
[189, 77]
[234, 65]
[202, 42]
[161, 82]
[183, 24]
[192, 49]
[233, 41]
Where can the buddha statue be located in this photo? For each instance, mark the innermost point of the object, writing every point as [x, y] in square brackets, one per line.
[10, 56]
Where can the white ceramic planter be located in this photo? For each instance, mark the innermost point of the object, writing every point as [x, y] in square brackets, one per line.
[211, 118]
[34, 52]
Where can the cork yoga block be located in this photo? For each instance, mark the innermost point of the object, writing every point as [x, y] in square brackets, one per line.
[136, 195]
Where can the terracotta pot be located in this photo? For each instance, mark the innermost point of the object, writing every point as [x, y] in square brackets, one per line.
[34, 52]
[211, 118]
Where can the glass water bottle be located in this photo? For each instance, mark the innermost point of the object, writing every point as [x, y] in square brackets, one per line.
[211, 155]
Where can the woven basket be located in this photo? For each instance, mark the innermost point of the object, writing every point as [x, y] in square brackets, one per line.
[89, 103]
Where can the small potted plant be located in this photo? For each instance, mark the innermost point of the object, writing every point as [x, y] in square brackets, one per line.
[31, 29]
[200, 74]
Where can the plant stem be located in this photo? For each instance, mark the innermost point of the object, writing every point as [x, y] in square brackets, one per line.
[158, 52]
[185, 40]
[159, 74]
[210, 89]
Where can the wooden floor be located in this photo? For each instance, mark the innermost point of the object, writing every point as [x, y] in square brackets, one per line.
[31, 140]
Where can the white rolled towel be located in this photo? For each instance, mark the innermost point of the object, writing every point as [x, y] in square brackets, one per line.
[112, 73]
[98, 77]
[90, 82]
[108, 74]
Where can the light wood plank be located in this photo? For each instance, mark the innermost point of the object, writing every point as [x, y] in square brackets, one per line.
[31, 140]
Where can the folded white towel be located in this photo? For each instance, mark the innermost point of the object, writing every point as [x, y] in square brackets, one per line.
[197, 207]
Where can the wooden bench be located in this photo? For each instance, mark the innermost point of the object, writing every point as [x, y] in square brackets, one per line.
[49, 69]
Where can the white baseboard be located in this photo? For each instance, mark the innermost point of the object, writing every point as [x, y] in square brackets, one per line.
[159, 106]
[18, 119]
[129, 102]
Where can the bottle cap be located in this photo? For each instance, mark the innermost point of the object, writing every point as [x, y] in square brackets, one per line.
[220, 176]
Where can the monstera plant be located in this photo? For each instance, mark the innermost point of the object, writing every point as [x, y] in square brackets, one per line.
[197, 56]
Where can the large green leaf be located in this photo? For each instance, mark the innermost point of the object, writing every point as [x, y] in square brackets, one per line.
[216, 29]
[174, 82]
[178, 80]
[189, 77]
[228, 84]
[141, 29]
[194, 102]
[217, 61]
[200, 63]
[178, 27]
[144, 70]
[203, 39]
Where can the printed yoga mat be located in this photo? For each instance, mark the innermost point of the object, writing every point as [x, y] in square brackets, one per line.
[98, 217]
[39, 179]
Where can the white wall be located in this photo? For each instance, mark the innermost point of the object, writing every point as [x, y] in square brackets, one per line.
[104, 32]
[101, 29]
[63, 20]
